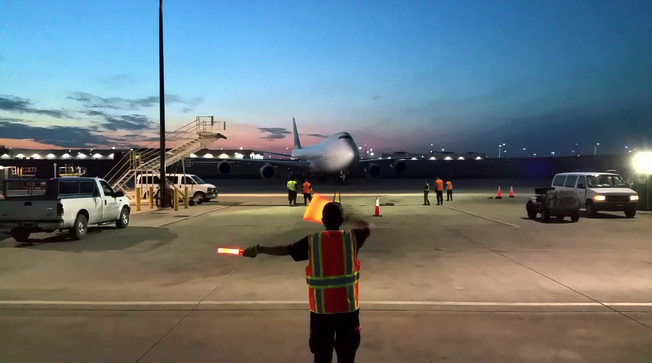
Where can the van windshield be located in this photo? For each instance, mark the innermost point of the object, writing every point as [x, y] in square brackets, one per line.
[198, 180]
[606, 181]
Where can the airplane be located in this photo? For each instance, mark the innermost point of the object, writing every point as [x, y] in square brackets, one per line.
[337, 153]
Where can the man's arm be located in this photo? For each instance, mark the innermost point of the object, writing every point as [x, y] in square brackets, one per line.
[274, 251]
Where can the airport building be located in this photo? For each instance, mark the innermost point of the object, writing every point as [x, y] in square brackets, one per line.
[443, 155]
[116, 154]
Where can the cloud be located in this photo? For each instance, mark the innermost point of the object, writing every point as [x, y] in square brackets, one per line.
[119, 103]
[375, 97]
[63, 136]
[274, 133]
[23, 105]
[186, 110]
[12, 119]
[134, 122]
[317, 135]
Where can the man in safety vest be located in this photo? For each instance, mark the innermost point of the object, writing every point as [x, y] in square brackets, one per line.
[426, 191]
[449, 190]
[307, 192]
[292, 191]
[332, 275]
[440, 191]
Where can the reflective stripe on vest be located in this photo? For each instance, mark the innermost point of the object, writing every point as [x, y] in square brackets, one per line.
[343, 285]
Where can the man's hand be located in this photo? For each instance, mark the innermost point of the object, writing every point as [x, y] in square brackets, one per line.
[251, 251]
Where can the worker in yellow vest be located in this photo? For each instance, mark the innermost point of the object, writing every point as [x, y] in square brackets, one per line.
[332, 275]
[292, 191]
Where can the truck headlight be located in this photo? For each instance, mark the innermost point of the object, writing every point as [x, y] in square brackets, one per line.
[599, 198]
[633, 197]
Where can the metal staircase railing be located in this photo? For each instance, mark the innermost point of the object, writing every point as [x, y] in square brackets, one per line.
[147, 160]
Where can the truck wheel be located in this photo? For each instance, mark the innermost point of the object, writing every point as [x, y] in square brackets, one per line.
[590, 209]
[545, 214]
[630, 213]
[200, 197]
[20, 235]
[123, 221]
[80, 228]
[575, 217]
[532, 213]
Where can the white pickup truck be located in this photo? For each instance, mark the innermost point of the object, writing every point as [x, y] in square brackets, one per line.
[73, 203]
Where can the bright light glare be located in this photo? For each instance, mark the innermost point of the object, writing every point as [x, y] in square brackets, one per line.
[633, 197]
[642, 162]
[599, 198]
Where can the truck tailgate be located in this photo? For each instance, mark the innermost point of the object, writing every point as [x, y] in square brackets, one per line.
[28, 210]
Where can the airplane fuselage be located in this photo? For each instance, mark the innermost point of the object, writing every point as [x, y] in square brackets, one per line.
[335, 153]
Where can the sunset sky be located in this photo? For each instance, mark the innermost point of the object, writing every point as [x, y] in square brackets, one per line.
[398, 75]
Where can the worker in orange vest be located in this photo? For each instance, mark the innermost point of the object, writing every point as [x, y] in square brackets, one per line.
[332, 275]
[307, 192]
[449, 190]
[440, 191]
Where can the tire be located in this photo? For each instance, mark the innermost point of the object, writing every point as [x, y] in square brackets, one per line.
[20, 235]
[630, 213]
[191, 202]
[545, 214]
[123, 219]
[80, 228]
[200, 197]
[575, 217]
[590, 209]
[532, 213]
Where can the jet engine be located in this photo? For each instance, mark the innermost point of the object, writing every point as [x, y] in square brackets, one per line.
[399, 166]
[224, 168]
[373, 170]
[267, 172]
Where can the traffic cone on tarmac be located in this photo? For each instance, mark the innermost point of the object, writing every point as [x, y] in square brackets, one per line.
[500, 194]
[511, 191]
[377, 209]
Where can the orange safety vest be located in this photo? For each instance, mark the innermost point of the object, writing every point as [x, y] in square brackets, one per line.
[306, 188]
[440, 184]
[333, 272]
[449, 185]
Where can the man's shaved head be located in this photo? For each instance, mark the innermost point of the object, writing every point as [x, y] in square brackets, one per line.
[332, 215]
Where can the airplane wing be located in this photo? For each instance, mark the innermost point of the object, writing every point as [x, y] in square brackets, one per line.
[273, 162]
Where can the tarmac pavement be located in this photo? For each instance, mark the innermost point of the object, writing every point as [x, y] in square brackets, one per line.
[472, 280]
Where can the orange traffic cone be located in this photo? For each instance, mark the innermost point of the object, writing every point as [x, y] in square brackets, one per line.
[377, 209]
[500, 194]
[511, 191]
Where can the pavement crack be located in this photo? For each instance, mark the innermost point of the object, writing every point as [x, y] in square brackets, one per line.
[548, 277]
[184, 317]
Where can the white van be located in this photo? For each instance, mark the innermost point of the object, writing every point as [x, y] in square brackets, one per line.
[197, 188]
[599, 191]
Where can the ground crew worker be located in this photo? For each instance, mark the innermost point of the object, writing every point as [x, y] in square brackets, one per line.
[449, 190]
[290, 190]
[332, 275]
[440, 191]
[426, 191]
[307, 192]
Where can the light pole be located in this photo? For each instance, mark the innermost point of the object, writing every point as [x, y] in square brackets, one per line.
[500, 146]
[553, 153]
[595, 149]
[524, 151]
[163, 186]
[535, 155]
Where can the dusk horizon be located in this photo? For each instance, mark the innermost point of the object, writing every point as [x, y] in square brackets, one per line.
[463, 76]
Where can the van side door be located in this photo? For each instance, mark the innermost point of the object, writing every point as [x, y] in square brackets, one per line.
[581, 189]
[110, 205]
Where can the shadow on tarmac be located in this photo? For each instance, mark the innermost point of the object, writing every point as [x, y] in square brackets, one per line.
[98, 239]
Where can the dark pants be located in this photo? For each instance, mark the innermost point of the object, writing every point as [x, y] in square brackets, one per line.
[307, 197]
[292, 196]
[339, 331]
[440, 197]
[449, 195]
[426, 201]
